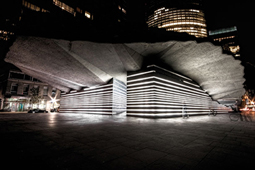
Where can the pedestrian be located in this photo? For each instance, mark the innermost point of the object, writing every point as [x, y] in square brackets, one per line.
[184, 111]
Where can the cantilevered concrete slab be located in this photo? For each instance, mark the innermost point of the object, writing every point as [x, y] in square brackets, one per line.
[77, 64]
[217, 73]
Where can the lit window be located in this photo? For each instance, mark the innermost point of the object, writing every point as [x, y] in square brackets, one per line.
[189, 20]
[124, 11]
[87, 14]
[32, 6]
[63, 6]
[234, 49]
[79, 10]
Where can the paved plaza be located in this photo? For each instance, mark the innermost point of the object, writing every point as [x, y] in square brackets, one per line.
[75, 141]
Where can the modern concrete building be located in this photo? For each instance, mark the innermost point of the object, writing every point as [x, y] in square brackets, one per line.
[81, 65]
[158, 92]
[15, 94]
[177, 15]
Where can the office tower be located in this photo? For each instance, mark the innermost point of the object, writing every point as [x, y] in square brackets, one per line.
[177, 15]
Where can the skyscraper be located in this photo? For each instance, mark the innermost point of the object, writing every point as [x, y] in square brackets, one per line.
[67, 19]
[177, 15]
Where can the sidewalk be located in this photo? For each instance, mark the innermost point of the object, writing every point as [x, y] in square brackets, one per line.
[12, 112]
[75, 141]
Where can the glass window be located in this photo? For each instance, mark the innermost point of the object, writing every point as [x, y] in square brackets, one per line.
[87, 14]
[28, 77]
[35, 79]
[14, 88]
[16, 75]
[45, 90]
[25, 89]
[53, 93]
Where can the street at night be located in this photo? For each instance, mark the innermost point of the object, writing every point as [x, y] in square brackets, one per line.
[127, 84]
[78, 141]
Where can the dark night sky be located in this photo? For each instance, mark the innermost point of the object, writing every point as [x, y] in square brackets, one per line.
[221, 13]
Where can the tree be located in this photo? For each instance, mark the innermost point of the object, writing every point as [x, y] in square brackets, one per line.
[34, 96]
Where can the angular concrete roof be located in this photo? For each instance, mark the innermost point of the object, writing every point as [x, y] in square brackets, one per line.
[76, 64]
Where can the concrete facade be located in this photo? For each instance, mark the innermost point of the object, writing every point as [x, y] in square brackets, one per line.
[17, 98]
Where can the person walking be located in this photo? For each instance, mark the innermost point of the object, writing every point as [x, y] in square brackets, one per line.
[184, 111]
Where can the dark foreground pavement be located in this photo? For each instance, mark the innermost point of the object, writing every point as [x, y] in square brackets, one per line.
[69, 141]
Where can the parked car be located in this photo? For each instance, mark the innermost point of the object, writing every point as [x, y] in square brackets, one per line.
[54, 110]
[37, 111]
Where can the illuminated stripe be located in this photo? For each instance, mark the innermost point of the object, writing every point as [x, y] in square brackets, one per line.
[153, 96]
[165, 89]
[106, 99]
[163, 106]
[165, 114]
[191, 84]
[172, 82]
[168, 85]
[169, 72]
[159, 92]
[138, 74]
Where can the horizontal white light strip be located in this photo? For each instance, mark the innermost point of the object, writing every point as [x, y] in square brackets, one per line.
[93, 106]
[169, 87]
[138, 74]
[166, 97]
[165, 89]
[171, 82]
[192, 84]
[165, 110]
[160, 92]
[96, 87]
[180, 100]
[164, 106]
[87, 92]
[197, 89]
[77, 109]
[84, 112]
[157, 89]
[165, 103]
[106, 99]
[169, 71]
[164, 114]
[188, 104]
[99, 94]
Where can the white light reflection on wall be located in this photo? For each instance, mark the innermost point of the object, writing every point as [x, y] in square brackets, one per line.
[106, 99]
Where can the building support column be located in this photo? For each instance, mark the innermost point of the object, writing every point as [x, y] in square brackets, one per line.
[1, 104]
